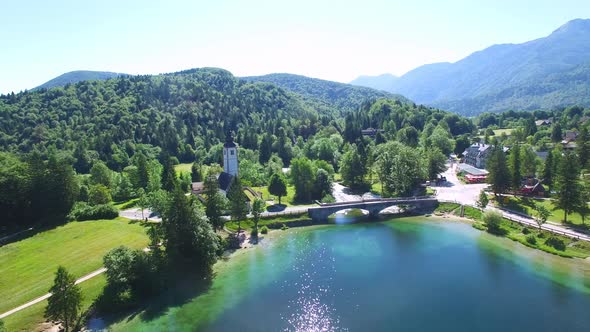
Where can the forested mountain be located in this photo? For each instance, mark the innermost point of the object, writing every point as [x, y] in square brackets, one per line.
[127, 133]
[540, 74]
[382, 82]
[78, 76]
[322, 93]
[177, 112]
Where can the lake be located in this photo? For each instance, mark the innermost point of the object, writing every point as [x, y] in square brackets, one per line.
[411, 274]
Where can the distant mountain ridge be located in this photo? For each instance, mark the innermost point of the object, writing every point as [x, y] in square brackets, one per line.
[544, 73]
[78, 76]
[344, 96]
[380, 82]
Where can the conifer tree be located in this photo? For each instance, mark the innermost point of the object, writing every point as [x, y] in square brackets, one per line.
[169, 180]
[237, 200]
[568, 185]
[583, 147]
[515, 167]
[196, 172]
[548, 169]
[65, 302]
[499, 174]
[214, 203]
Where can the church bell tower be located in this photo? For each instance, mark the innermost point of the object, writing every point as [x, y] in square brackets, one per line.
[230, 156]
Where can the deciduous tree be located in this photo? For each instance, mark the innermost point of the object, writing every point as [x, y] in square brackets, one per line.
[277, 186]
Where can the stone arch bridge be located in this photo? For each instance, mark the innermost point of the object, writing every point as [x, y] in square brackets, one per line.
[373, 206]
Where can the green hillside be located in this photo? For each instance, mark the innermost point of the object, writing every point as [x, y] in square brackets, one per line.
[325, 94]
[78, 76]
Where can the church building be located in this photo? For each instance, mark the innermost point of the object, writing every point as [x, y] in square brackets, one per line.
[230, 167]
[230, 163]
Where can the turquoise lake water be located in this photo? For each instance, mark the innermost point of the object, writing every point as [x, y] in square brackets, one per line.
[399, 275]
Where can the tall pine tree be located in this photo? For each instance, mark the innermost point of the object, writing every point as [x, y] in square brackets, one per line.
[583, 147]
[548, 169]
[215, 202]
[499, 176]
[515, 167]
[568, 185]
[237, 201]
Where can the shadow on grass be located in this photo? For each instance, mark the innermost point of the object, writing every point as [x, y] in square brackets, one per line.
[180, 288]
[499, 231]
[19, 234]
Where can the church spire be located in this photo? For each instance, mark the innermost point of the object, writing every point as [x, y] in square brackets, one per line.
[230, 155]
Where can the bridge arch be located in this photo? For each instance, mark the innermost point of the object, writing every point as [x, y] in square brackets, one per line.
[348, 215]
[374, 206]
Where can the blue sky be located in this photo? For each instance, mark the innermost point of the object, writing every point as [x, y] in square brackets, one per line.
[335, 40]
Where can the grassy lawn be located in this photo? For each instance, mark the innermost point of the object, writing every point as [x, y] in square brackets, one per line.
[499, 132]
[376, 188]
[183, 168]
[526, 205]
[446, 208]
[27, 267]
[471, 213]
[126, 204]
[29, 318]
[285, 200]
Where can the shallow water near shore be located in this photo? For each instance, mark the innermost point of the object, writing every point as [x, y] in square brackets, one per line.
[410, 274]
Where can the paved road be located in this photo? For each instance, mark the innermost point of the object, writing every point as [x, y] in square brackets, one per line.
[467, 194]
[344, 194]
[48, 295]
[135, 214]
[454, 190]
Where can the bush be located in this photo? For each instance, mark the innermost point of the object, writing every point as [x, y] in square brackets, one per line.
[264, 230]
[493, 220]
[525, 231]
[83, 211]
[556, 243]
[99, 194]
[531, 239]
[328, 199]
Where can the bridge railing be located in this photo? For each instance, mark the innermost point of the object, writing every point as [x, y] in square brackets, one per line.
[370, 200]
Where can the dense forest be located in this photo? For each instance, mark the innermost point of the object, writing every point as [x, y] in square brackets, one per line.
[324, 94]
[115, 139]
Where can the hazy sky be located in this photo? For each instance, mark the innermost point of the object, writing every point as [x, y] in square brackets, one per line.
[335, 40]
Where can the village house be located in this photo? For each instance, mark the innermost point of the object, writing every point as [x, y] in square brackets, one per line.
[569, 140]
[477, 155]
[532, 187]
[546, 122]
